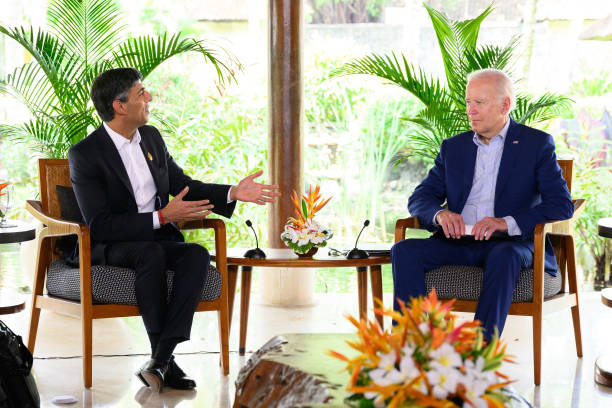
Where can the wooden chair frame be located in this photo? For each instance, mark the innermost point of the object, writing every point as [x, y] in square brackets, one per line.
[561, 234]
[56, 171]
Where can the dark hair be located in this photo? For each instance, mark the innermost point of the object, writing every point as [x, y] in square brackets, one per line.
[111, 85]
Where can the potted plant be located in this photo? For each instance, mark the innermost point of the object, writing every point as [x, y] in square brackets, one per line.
[443, 112]
[84, 38]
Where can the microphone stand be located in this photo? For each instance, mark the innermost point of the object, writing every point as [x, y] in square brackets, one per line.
[359, 253]
[254, 253]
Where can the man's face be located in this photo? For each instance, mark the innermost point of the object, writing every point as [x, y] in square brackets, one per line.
[137, 105]
[485, 107]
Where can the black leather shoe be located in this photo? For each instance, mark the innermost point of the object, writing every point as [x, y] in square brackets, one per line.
[176, 378]
[153, 373]
[139, 374]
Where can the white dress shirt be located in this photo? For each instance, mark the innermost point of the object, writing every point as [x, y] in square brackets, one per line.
[138, 172]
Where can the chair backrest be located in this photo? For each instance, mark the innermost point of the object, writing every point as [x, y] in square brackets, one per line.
[566, 168]
[52, 172]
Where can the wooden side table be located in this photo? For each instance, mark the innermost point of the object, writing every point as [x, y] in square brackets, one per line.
[603, 365]
[19, 233]
[285, 258]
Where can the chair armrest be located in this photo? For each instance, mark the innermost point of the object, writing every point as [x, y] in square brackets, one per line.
[403, 224]
[55, 226]
[220, 236]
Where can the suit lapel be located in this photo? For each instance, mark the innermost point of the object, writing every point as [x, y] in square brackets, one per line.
[511, 153]
[111, 155]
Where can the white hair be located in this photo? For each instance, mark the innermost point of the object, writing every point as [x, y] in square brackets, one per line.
[502, 81]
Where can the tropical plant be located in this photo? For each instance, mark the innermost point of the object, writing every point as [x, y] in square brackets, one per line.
[443, 114]
[583, 139]
[84, 38]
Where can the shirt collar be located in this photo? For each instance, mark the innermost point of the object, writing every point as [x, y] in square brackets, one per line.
[502, 134]
[120, 141]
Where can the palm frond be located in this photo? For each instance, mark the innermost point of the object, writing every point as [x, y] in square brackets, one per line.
[88, 28]
[534, 110]
[402, 74]
[456, 39]
[29, 85]
[147, 53]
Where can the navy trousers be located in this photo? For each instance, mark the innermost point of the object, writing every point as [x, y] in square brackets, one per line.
[502, 261]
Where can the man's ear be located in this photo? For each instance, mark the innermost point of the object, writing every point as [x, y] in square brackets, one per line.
[505, 105]
[119, 107]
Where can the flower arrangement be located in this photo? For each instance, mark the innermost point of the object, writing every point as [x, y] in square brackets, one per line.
[303, 233]
[426, 360]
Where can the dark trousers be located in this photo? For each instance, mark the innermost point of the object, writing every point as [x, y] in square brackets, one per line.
[169, 319]
[502, 261]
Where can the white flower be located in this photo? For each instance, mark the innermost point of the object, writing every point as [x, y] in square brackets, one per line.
[476, 381]
[386, 373]
[444, 381]
[445, 356]
[424, 327]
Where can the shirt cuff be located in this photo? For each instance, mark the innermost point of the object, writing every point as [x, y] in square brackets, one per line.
[513, 228]
[228, 195]
[156, 224]
[434, 222]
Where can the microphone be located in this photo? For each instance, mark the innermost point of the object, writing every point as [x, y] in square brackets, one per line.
[358, 253]
[254, 253]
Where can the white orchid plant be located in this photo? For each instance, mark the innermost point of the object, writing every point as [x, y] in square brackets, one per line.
[425, 361]
[303, 232]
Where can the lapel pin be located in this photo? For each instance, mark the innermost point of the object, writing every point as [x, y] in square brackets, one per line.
[514, 142]
[149, 156]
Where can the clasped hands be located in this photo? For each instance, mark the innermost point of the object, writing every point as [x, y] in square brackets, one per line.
[453, 226]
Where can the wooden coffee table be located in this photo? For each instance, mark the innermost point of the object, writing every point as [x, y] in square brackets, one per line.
[285, 258]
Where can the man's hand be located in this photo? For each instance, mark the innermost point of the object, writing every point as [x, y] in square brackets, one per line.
[250, 191]
[179, 210]
[484, 228]
[452, 224]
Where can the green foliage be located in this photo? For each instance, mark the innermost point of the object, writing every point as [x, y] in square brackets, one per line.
[443, 104]
[217, 140]
[593, 85]
[84, 38]
[592, 180]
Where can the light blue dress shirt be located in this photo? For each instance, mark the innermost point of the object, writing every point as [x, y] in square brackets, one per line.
[481, 201]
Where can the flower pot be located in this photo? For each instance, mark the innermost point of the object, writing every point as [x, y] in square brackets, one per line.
[307, 254]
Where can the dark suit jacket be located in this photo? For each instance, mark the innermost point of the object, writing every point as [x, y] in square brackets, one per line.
[530, 186]
[105, 195]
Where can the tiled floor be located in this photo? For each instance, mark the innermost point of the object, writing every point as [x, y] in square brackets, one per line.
[120, 347]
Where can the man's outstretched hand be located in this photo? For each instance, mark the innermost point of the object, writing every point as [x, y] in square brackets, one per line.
[250, 191]
[179, 210]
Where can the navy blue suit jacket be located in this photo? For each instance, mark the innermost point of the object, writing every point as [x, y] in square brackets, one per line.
[530, 186]
[105, 197]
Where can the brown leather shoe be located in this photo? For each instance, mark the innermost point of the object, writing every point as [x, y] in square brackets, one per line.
[176, 378]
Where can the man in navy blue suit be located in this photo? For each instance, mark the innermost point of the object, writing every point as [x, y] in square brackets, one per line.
[499, 180]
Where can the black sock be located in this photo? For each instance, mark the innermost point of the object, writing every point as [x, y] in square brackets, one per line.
[164, 350]
[154, 340]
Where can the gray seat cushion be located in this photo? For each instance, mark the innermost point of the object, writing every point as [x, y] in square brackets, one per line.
[465, 283]
[112, 284]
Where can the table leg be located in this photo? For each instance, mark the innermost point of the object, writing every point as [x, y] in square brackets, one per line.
[232, 275]
[362, 290]
[245, 295]
[377, 291]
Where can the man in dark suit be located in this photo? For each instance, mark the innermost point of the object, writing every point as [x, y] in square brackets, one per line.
[500, 178]
[122, 176]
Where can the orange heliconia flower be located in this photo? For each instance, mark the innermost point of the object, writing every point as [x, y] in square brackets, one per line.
[2, 187]
[307, 206]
